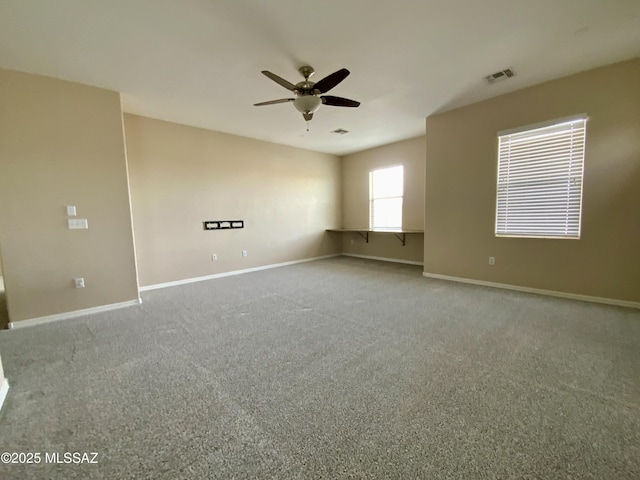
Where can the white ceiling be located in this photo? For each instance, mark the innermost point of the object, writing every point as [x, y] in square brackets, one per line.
[198, 62]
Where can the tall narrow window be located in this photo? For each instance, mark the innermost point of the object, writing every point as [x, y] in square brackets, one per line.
[386, 188]
[540, 172]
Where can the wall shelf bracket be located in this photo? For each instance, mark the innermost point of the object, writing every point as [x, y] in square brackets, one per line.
[402, 237]
[364, 235]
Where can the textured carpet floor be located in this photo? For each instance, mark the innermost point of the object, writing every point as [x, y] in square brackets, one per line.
[340, 368]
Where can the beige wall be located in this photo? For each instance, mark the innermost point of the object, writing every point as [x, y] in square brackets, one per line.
[461, 189]
[182, 176]
[355, 199]
[61, 143]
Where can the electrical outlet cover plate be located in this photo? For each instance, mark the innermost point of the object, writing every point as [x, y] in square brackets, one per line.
[78, 223]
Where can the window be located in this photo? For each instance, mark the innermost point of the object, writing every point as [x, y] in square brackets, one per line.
[386, 187]
[540, 171]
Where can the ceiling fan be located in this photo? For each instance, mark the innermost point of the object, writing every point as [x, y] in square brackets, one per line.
[309, 94]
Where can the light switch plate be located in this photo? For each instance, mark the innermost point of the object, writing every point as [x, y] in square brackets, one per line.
[78, 223]
[71, 210]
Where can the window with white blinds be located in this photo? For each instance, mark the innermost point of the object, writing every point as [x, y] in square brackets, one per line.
[540, 171]
[386, 189]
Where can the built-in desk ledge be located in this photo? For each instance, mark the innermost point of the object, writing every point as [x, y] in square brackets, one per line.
[400, 233]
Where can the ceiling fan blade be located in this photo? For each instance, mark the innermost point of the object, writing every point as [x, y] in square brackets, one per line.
[330, 81]
[307, 116]
[273, 102]
[339, 101]
[280, 80]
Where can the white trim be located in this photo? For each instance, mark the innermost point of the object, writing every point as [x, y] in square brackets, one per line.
[76, 313]
[384, 259]
[538, 291]
[185, 281]
[4, 389]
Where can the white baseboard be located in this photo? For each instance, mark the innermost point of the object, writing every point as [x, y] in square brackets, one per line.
[4, 389]
[384, 259]
[76, 313]
[231, 273]
[538, 291]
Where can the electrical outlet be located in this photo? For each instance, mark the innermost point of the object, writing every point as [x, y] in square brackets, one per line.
[214, 256]
[492, 260]
[244, 253]
[79, 282]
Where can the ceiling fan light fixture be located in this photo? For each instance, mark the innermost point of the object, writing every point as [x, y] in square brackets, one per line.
[308, 99]
[307, 103]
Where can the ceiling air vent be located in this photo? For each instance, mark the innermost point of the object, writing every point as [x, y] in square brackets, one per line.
[501, 75]
[340, 131]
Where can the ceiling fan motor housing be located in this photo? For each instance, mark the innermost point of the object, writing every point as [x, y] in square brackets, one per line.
[305, 88]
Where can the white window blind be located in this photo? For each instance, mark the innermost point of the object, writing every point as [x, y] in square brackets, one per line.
[386, 186]
[539, 191]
